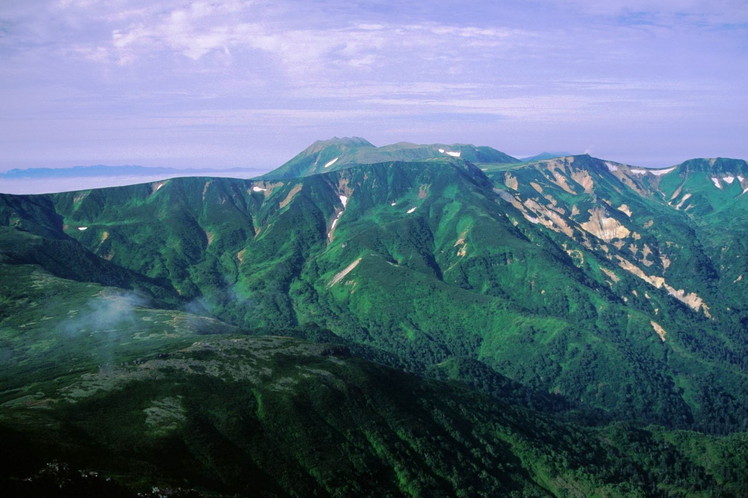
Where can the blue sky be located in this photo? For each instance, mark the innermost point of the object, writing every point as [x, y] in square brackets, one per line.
[219, 84]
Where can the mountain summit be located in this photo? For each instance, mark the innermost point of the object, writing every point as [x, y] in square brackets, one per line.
[340, 153]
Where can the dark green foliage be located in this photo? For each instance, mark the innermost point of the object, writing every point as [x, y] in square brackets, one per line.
[279, 416]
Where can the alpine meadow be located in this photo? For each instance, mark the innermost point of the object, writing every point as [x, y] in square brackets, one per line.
[404, 320]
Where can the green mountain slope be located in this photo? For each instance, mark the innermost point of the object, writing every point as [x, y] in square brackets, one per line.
[275, 416]
[581, 288]
[572, 276]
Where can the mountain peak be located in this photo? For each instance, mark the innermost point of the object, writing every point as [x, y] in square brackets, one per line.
[545, 155]
[337, 153]
[715, 165]
[341, 141]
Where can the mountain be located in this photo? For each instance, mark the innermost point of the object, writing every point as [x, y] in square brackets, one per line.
[340, 153]
[542, 295]
[544, 155]
[78, 171]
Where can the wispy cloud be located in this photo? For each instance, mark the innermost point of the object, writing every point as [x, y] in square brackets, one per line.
[153, 78]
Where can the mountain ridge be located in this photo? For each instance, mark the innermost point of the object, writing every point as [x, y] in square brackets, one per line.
[339, 153]
[583, 289]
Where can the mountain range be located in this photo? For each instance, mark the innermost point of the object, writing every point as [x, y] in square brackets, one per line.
[407, 320]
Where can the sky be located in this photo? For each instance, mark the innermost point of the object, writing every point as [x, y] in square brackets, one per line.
[228, 83]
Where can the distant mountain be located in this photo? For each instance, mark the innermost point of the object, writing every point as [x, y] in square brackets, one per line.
[545, 155]
[539, 294]
[341, 153]
[101, 170]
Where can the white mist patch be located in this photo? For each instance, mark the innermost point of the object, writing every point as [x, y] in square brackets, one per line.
[104, 313]
[330, 163]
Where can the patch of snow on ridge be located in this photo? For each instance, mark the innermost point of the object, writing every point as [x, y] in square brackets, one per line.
[740, 179]
[411, 210]
[716, 183]
[450, 153]
[659, 172]
[330, 163]
[729, 179]
[343, 200]
[611, 166]
[258, 189]
[639, 171]
[82, 229]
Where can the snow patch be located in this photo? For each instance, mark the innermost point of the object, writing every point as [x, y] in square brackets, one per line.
[716, 182]
[393, 204]
[660, 172]
[611, 166]
[82, 229]
[450, 153]
[639, 171]
[729, 179]
[330, 163]
[343, 200]
[740, 179]
[258, 189]
[411, 210]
